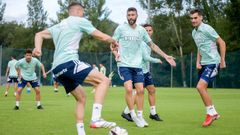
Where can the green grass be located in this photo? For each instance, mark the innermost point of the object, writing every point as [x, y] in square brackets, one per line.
[182, 111]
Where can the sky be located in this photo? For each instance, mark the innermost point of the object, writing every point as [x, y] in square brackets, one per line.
[17, 10]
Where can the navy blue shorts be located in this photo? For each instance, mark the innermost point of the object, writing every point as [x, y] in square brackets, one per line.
[208, 72]
[134, 74]
[23, 83]
[72, 74]
[148, 79]
[12, 79]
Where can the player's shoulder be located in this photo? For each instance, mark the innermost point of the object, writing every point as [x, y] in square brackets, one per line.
[206, 27]
[35, 59]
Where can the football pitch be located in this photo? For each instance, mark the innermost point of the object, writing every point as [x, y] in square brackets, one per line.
[181, 109]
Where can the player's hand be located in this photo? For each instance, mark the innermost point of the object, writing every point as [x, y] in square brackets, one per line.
[117, 57]
[222, 64]
[114, 46]
[170, 60]
[44, 75]
[37, 52]
[198, 66]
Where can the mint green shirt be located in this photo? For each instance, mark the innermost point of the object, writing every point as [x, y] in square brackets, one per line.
[130, 41]
[66, 37]
[205, 38]
[28, 69]
[146, 52]
[12, 68]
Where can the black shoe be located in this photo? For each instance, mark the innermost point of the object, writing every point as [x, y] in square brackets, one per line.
[155, 117]
[127, 116]
[16, 108]
[39, 107]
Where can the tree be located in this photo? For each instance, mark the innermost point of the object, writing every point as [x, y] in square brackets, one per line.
[2, 9]
[37, 17]
[233, 26]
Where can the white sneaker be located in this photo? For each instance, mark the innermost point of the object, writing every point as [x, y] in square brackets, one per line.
[6, 93]
[138, 122]
[101, 123]
[143, 121]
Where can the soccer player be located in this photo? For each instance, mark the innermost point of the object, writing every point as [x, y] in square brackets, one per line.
[69, 70]
[102, 69]
[26, 72]
[148, 81]
[208, 60]
[11, 75]
[130, 37]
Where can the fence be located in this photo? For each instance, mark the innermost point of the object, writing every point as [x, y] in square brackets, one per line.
[163, 75]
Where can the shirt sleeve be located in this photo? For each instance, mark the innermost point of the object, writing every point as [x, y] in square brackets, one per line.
[38, 62]
[18, 63]
[147, 57]
[211, 33]
[86, 26]
[117, 34]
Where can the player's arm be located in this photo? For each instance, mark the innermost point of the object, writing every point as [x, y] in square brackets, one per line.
[147, 57]
[198, 65]
[222, 46]
[7, 72]
[39, 37]
[157, 50]
[104, 37]
[43, 71]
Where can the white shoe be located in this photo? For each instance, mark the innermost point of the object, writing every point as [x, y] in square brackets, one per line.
[138, 122]
[143, 121]
[101, 123]
[6, 93]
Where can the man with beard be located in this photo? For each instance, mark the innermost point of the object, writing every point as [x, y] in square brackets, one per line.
[26, 73]
[130, 37]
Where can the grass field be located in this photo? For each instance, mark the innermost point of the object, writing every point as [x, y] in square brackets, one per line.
[182, 111]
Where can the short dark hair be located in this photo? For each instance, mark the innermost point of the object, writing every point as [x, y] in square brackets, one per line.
[131, 9]
[147, 25]
[28, 51]
[197, 10]
[14, 56]
[74, 4]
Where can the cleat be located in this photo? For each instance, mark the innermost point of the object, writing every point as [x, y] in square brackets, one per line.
[155, 117]
[143, 121]
[16, 108]
[55, 90]
[39, 107]
[127, 116]
[216, 116]
[102, 124]
[138, 122]
[208, 120]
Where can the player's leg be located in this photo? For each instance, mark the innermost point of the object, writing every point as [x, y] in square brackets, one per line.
[101, 84]
[36, 86]
[207, 74]
[7, 89]
[80, 97]
[21, 85]
[55, 85]
[15, 88]
[28, 88]
[152, 102]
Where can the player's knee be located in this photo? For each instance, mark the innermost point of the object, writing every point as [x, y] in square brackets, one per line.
[152, 92]
[199, 87]
[81, 99]
[140, 92]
